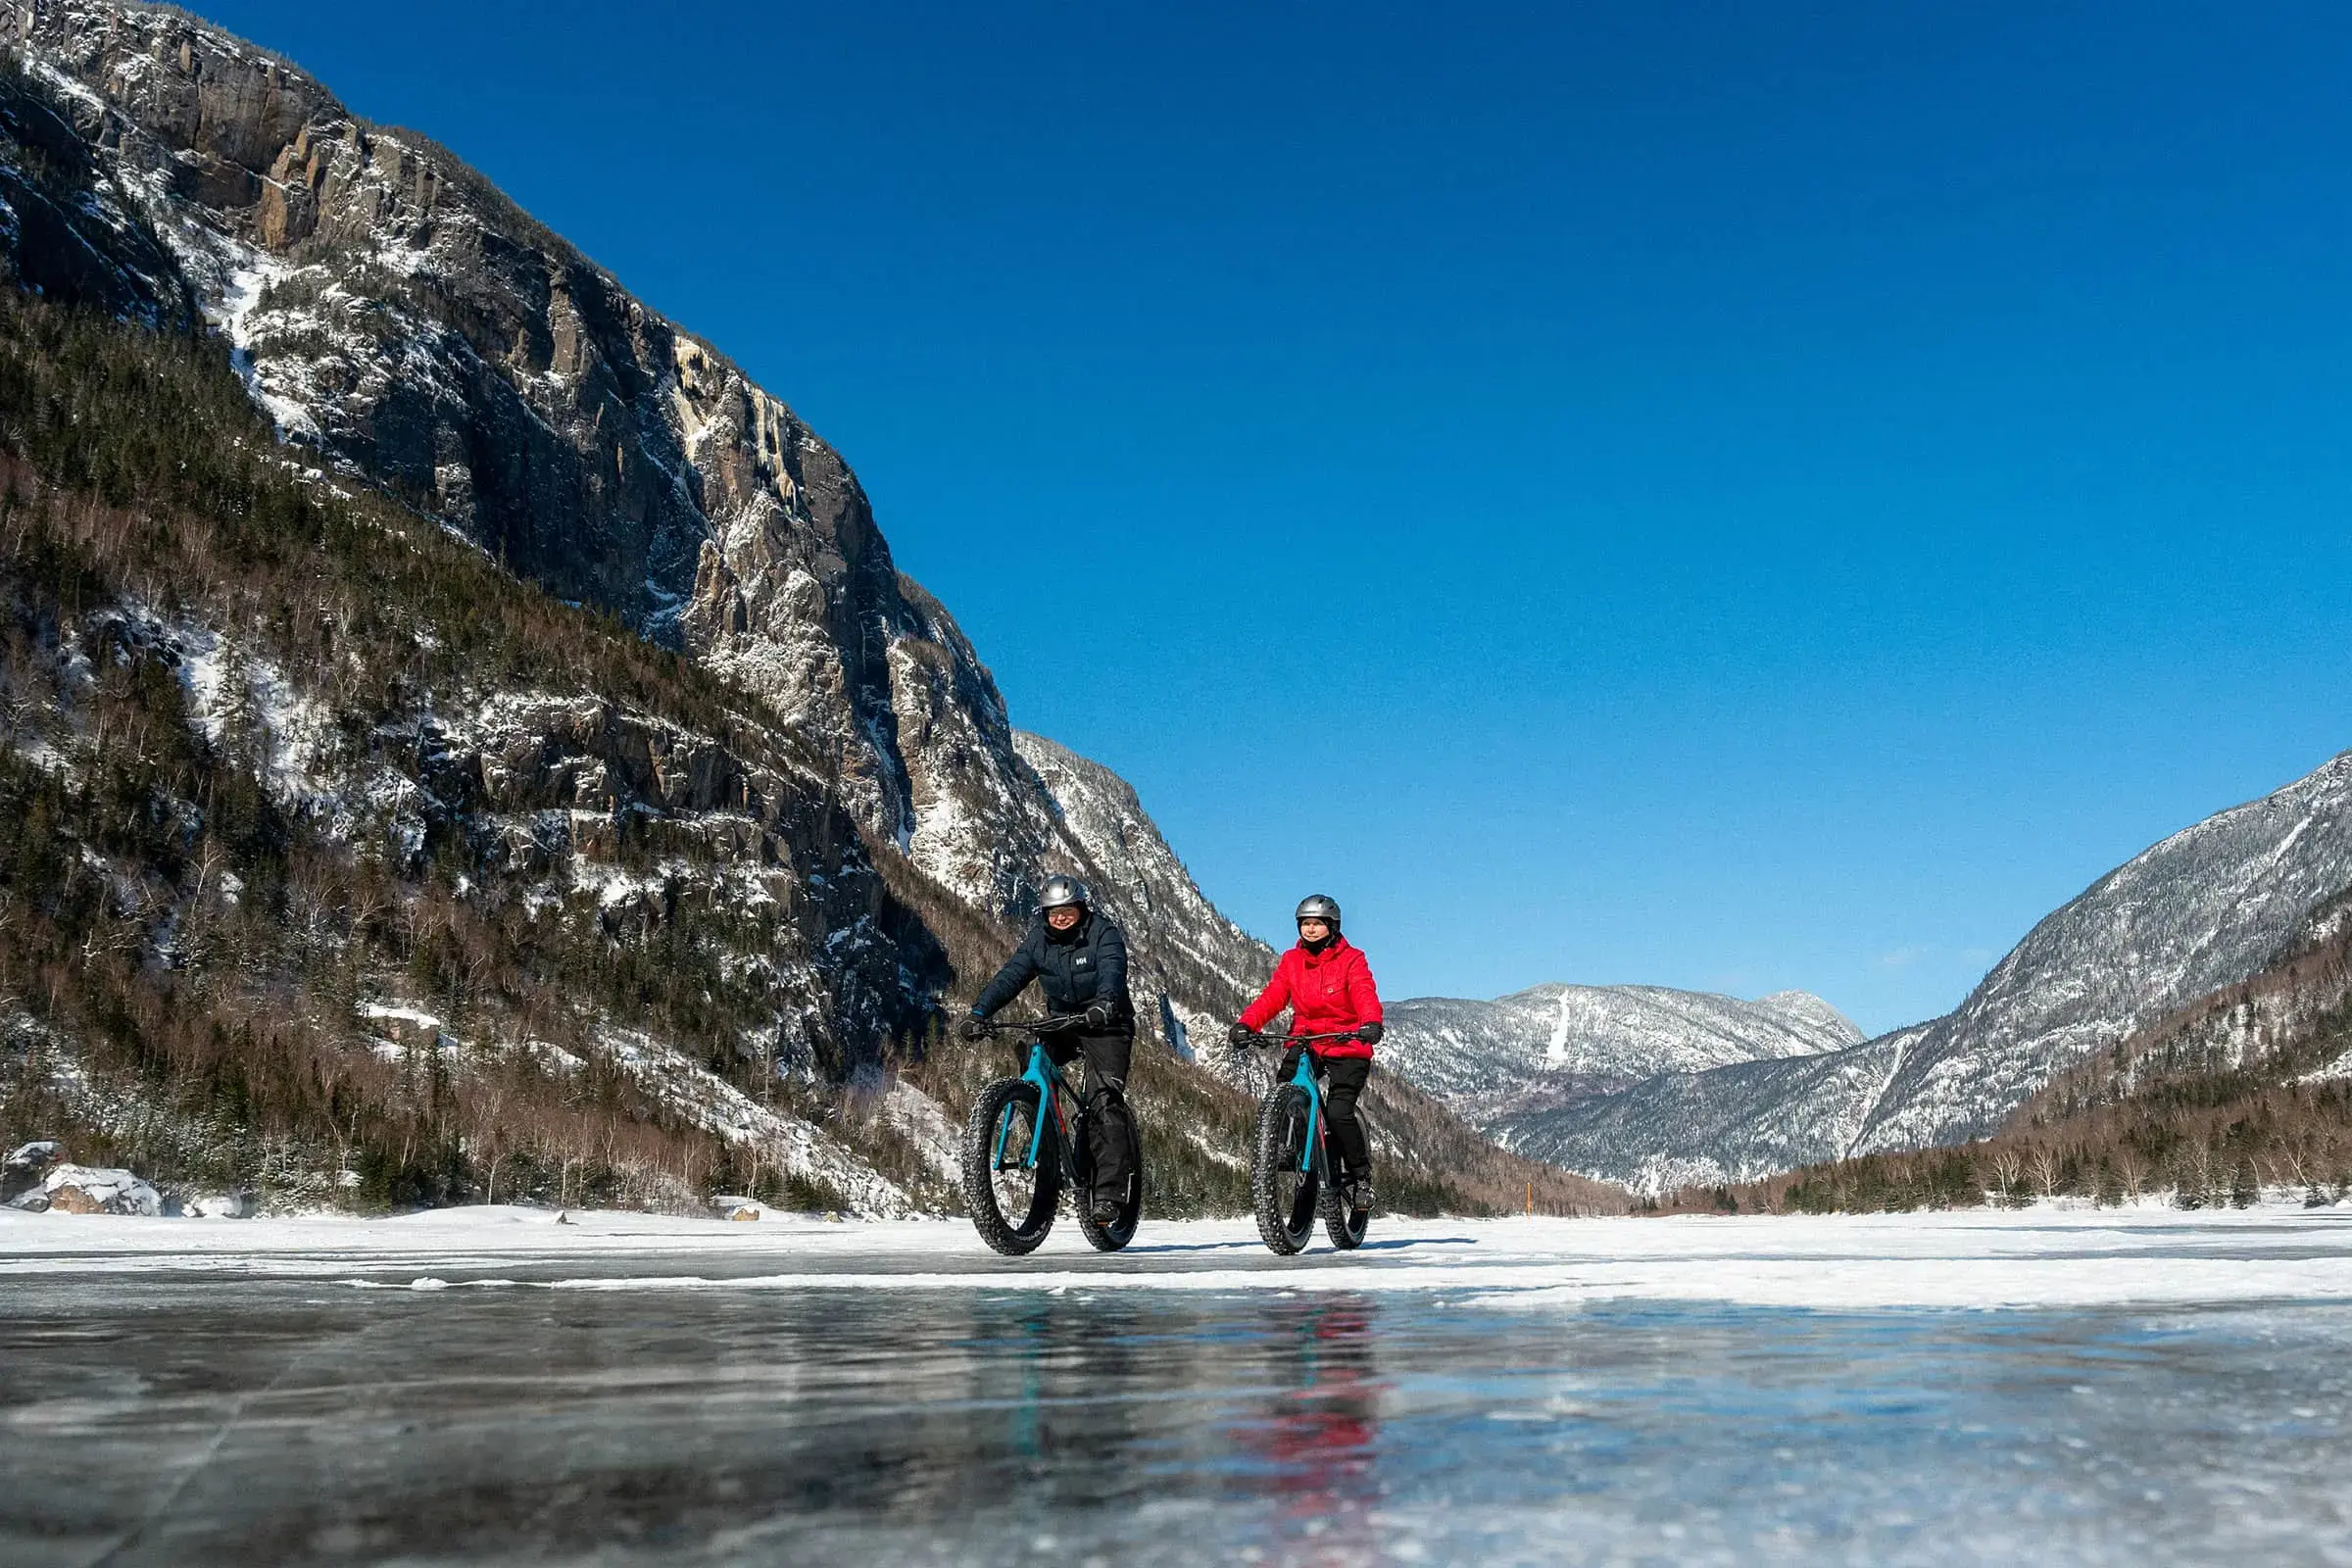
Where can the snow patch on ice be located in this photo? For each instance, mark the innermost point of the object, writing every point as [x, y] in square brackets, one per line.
[1980, 1259]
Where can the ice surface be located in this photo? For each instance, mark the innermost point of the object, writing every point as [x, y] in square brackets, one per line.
[2044, 1257]
[2162, 1388]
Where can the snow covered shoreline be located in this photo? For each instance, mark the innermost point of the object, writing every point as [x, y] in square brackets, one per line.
[1982, 1260]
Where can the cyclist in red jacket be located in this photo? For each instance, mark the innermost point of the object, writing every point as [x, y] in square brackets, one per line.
[1328, 987]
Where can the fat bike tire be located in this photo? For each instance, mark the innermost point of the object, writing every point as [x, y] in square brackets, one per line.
[1117, 1234]
[1009, 1220]
[1339, 1220]
[1283, 1196]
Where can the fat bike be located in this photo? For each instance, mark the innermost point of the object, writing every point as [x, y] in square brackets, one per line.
[1027, 1134]
[1292, 1172]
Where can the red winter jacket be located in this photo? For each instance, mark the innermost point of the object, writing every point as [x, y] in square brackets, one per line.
[1326, 992]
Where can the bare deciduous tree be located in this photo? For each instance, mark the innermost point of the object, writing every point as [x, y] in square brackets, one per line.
[2046, 1166]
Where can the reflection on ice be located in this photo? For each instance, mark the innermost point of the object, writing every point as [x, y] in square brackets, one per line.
[1317, 1438]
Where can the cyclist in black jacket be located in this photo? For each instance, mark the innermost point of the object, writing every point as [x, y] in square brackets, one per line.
[1079, 959]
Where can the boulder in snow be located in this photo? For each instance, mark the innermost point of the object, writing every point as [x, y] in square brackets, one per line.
[89, 1189]
[223, 1205]
[21, 1171]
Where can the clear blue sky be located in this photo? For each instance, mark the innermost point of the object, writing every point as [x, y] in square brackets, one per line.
[1738, 495]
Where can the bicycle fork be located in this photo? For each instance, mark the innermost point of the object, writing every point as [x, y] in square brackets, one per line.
[1312, 1142]
[1036, 1076]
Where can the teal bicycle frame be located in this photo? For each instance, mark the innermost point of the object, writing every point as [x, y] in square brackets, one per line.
[1304, 1075]
[1305, 1078]
[1042, 1072]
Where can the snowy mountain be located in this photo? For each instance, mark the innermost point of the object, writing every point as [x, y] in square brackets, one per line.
[2241, 1094]
[2207, 907]
[730, 875]
[1736, 1123]
[1552, 1044]
[402, 318]
[397, 317]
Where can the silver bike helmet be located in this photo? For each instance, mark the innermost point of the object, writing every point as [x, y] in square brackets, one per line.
[1061, 892]
[1315, 907]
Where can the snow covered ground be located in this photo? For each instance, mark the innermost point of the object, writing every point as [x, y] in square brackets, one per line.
[2148, 1387]
[2039, 1258]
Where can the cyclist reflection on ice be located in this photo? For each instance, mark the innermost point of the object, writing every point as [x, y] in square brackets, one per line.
[1318, 1436]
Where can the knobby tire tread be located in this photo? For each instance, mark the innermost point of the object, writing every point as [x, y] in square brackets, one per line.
[1002, 1235]
[1284, 1228]
[1339, 1222]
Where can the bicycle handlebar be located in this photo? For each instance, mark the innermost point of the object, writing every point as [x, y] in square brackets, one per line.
[1300, 1040]
[1052, 1025]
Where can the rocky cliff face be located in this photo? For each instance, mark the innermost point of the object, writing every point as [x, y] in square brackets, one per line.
[398, 315]
[2206, 908]
[401, 319]
[328, 849]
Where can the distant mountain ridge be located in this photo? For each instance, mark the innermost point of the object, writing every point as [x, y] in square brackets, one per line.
[2244, 1093]
[2207, 907]
[1553, 1044]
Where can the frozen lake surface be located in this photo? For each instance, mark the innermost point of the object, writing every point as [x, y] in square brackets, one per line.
[485, 1386]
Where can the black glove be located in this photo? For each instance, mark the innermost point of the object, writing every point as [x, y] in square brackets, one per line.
[1370, 1033]
[1239, 1035]
[973, 1027]
[1097, 1016]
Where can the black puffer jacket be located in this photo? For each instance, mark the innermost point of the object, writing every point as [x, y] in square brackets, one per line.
[1088, 965]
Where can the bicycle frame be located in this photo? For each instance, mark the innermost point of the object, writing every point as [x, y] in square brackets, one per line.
[1304, 1077]
[1042, 1072]
[1312, 1144]
[1300, 1157]
[995, 1167]
[1052, 1087]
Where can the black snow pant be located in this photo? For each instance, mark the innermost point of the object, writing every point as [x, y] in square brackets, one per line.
[1344, 1078]
[1110, 1124]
